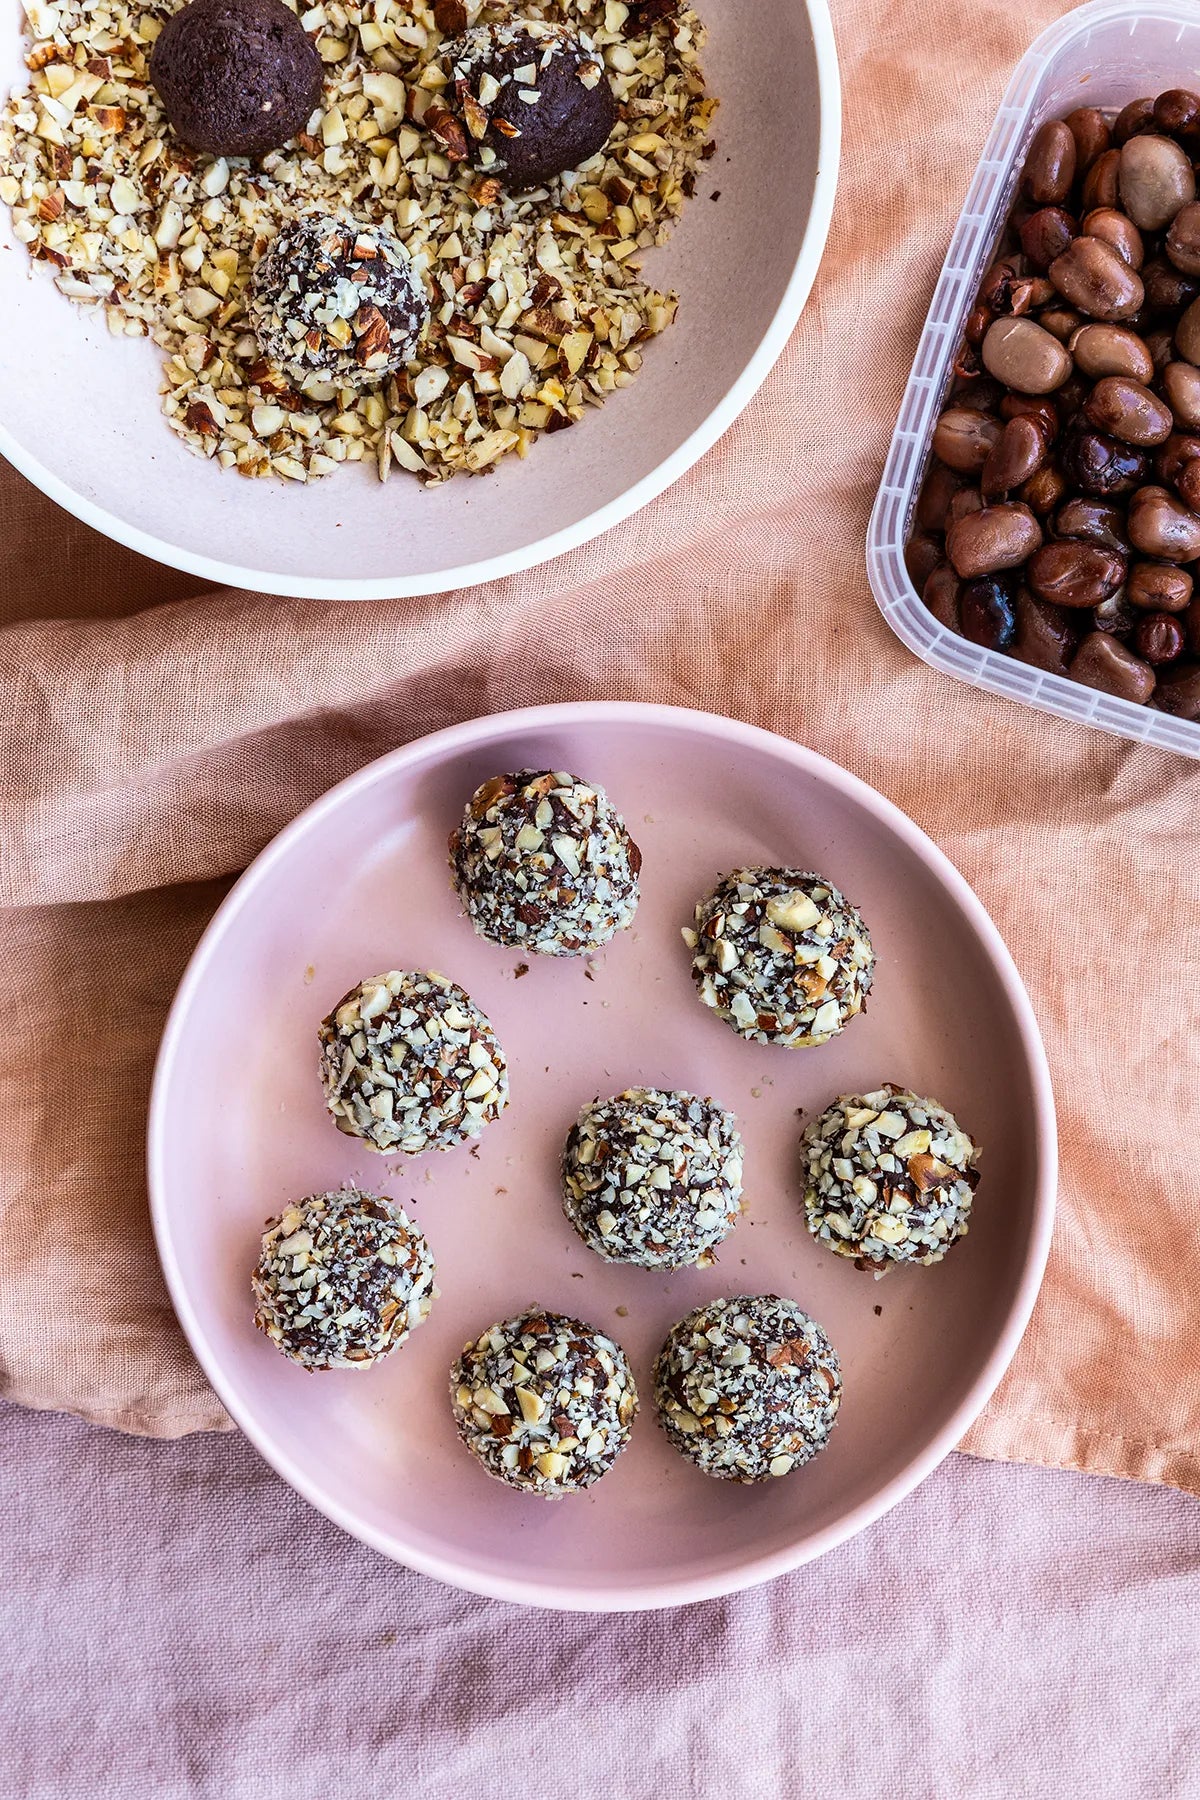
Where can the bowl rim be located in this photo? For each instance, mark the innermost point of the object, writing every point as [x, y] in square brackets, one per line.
[588, 1597]
[594, 524]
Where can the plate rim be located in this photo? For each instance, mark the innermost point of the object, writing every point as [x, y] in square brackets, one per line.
[594, 524]
[681, 1590]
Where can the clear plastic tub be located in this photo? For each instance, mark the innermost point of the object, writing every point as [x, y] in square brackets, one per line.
[1105, 55]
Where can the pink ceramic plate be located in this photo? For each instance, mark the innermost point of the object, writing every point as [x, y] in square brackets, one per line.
[358, 884]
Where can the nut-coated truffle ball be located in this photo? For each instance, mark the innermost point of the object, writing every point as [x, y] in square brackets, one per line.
[342, 1280]
[410, 1063]
[781, 955]
[542, 861]
[545, 1402]
[747, 1388]
[335, 301]
[653, 1178]
[533, 98]
[236, 77]
[889, 1178]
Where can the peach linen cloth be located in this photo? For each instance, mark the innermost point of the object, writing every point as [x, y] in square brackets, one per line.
[156, 735]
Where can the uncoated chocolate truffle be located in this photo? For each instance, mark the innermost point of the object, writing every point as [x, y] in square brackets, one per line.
[533, 99]
[236, 77]
[336, 301]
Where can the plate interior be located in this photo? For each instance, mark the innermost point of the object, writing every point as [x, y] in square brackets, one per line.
[362, 886]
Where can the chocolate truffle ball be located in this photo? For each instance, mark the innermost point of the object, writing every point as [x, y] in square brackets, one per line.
[747, 1388]
[338, 301]
[653, 1178]
[410, 1063]
[543, 862]
[781, 956]
[342, 1280]
[889, 1178]
[533, 99]
[236, 77]
[545, 1402]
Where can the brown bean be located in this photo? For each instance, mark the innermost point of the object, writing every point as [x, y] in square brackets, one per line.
[978, 320]
[1103, 662]
[1178, 691]
[985, 610]
[1183, 239]
[1021, 450]
[1163, 527]
[963, 437]
[1102, 183]
[1101, 465]
[1045, 234]
[980, 394]
[1092, 522]
[1129, 411]
[940, 486]
[1091, 275]
[1177, 112]
[1187, 334]
[1089, 127]
[1158, 637]
[922, 554]
[1137, 116]
[1046, 636]
[1158, 587]
[940, 595]
[1029, 406]
[1156, 179]
[1116, 615]
[1115, 228]
[967, 500]
[998, 537]
[1161, 345]
[1030, 294]
[1101, 350]
[1167, 288]
[1050, 165]
[1023, 356]
[1043, 491]
[1177, 453]
[1061, 322]
[1073, 574]
[1191, 625]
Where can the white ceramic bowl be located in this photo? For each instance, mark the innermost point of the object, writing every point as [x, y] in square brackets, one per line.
[79, 410]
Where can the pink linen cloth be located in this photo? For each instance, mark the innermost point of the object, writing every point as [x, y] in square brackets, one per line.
[177, 1623]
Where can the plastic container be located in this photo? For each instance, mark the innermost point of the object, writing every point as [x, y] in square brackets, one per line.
[1103, 55]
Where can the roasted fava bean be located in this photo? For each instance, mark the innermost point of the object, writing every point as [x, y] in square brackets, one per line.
[1158, 587]
[1166, 287]
[1178, 691]
[980, 394]
[1021, 450]
[1093, 522]
[1043, 491]
[1029, 406]
[1183, 239]
[1046, 234]
[997, 537]
[1163, 527]
[986, 612]
[1177, 112]
[967, 500]
[1116, 615]
[1100, 465]
[963, 438]
[1091, 275]
[1127, 410]
[940, 486]
[1158, 637]
[1103, 662]
[1089, 127]
[1061, 322]
[1180, 449]
[1161, 345]
[1137, 116]
[1156, 179]
[1101, 350]
[1074, 574]
[1023, 356]
[1102, 183]
[1117, 230]
[1050, 165]
[1046, 636]
[922, 554]
[940, 595]
[1187, 334]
